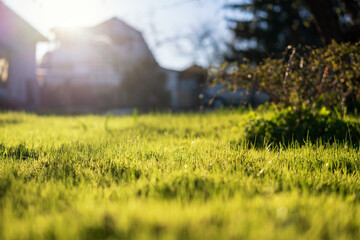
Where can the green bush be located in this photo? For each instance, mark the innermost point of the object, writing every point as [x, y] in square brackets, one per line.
[328, 76]
[301, 125]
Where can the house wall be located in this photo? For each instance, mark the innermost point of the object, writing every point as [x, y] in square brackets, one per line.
[184, 90]
[172, 85]
[18, 39]
[21, 88]
[88, 70]
[187, 92]
[87, 63]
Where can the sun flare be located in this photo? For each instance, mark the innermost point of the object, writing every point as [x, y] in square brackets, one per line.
[70, 13]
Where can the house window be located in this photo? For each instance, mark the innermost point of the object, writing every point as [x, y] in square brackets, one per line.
[4, 70]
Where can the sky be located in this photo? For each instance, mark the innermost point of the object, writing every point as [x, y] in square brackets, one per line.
[171, 28]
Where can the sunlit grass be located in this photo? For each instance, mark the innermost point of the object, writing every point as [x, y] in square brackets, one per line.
[163, 176]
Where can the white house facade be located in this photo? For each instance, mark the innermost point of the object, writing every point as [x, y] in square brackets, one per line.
[18, 85]
[93, 62]
[95, 55]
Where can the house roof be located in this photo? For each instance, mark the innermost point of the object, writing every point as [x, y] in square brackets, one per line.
[194, 71]
[119, 31]
[113, 29]
[13, 27]
[114, 23]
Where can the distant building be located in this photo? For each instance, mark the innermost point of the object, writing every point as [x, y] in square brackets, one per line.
[186, 86]
[94, 55]
[88, 68]
[18, 85]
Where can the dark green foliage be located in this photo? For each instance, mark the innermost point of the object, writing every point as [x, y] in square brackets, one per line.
[300, 126]
[328, 76]
[269, 26]
[337, 20]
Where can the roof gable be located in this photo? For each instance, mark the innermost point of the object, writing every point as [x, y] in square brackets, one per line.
[195, 71]
[13, 27]
[116, 28]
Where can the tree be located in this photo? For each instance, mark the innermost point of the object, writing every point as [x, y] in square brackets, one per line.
[336, 20]
[272, 25]
[269, 27]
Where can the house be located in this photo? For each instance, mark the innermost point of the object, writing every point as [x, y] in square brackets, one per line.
[110, 66]
[90, 65]
[18, 39]
[185, 87]
[89, 69]
[95, 55]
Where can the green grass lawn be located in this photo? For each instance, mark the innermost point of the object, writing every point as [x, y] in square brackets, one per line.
[163, 176]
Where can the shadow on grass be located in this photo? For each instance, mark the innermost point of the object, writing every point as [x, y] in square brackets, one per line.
[18, 152]
[4, 122]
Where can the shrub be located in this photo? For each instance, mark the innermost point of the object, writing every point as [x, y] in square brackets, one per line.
[301, 125]
[328, 76]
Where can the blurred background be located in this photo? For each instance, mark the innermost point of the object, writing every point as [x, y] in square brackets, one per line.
[101, 55]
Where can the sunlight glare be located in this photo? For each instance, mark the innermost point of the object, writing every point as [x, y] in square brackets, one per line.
[70, 13]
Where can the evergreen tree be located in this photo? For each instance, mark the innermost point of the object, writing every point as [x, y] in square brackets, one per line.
[272, 26]
[337, 20]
